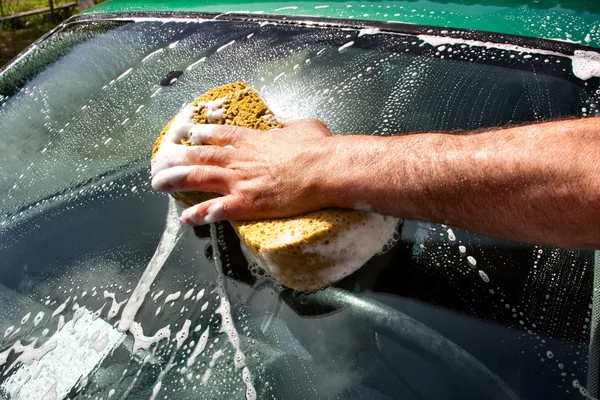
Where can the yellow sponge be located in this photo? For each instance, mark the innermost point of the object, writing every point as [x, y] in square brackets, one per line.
[306, 252]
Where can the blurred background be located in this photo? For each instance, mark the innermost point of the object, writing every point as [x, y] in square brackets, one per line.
[24, 21]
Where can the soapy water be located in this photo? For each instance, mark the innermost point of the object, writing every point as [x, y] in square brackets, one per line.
[146, 350]
[285, 71]
[537, 330]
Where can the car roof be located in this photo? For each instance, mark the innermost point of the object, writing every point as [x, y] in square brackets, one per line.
[574, 21]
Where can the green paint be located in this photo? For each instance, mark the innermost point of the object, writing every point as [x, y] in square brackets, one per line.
[574, 20]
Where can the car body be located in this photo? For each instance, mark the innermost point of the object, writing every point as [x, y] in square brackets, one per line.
[105, 295]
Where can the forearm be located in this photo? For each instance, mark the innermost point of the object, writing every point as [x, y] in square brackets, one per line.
[538, 183]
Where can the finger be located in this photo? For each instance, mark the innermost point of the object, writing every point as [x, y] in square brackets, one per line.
[207, 212]
[171, 155]
[204, 178]
[220, 135]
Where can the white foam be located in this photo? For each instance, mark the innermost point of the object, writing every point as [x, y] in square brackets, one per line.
[172, 297]
[196, 63]
[183, 334]
[51, 393]
[345, 46]
[183, 127]
[204, 307]
[585, 64]
[78, 313]
[168, 241]
[157, 295]
[451, 235]
[472, 261]
[8, 331]
[166, 178]
[60, 308]
[436, 41]
[368, 31]
[213, 361]
[61, 322]
[144, 342]
[38, 318]
[344, 254]
[115, 306]
[199, 348]
[227, 325]
[191, 216]
[161, 376]
[152, 54]
[484, 276]
[225, 46]
[65, 360]
[124, 74]
[188, 294]
[25, 318]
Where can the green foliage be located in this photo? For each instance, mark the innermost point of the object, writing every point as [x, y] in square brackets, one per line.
[9, 7]
[17, 34]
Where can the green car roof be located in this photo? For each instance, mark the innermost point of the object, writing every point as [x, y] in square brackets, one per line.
[575, 21]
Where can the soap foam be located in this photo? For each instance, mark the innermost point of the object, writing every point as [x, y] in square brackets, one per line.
[585, 64]
[199, 348]
[227, 325]
[168, 241]
[343, 254]
[183, 128]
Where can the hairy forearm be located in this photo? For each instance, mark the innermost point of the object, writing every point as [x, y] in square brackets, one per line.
[537, 183]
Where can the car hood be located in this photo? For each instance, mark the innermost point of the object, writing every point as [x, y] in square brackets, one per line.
[575, 21]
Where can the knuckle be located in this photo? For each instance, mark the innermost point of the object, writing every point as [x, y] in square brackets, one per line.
[199, 174]
[202, 153]
[229, 132]
[317, 124]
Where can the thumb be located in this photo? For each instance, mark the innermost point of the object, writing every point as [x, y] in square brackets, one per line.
[213, 210]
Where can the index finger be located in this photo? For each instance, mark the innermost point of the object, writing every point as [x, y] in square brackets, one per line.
[219, 135]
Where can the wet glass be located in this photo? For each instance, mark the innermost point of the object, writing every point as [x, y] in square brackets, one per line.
[443, 314]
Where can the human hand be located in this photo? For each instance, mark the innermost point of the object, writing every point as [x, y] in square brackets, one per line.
[260, 174]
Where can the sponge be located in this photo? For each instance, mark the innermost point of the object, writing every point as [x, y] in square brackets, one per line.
[306, 252]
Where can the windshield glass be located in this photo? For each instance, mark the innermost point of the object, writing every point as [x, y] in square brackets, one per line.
[105, 295]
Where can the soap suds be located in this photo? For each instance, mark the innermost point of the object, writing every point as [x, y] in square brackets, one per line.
[168, 241]
[585, 64]
[340, 255]
[227, 325]
[199, 348]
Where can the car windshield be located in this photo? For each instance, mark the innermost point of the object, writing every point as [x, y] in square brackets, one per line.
[105, 295]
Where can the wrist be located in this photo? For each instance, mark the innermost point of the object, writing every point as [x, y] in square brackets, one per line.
[342, 174]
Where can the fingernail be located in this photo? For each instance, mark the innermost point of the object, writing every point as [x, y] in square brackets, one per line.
[190, 217]
[168, 179]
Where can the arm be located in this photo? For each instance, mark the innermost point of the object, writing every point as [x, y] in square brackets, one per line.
[538, 183]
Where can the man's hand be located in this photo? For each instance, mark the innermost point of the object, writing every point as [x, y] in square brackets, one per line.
[537, 183]
[260, 174]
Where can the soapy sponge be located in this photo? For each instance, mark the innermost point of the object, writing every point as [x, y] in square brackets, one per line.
[306, 252]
